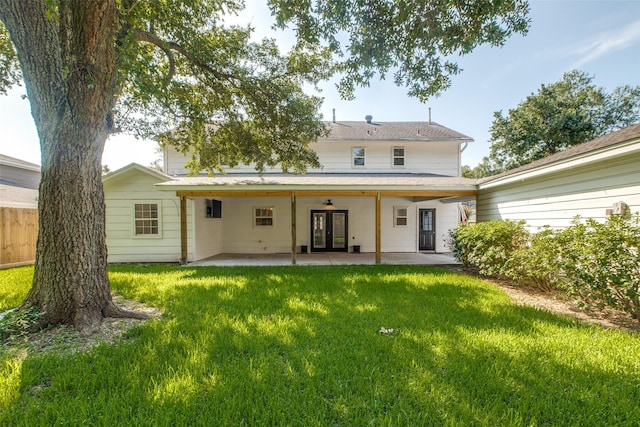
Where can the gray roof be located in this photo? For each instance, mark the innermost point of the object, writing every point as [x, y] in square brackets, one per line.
[392, 131]
[621, 136]
[12, 161]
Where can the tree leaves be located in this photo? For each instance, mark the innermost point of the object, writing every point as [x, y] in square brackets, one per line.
[560, 115]
[412, 39]
[9, 69]
[184, 74]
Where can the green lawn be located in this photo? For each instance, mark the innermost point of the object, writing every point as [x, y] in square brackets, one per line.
[302, 346]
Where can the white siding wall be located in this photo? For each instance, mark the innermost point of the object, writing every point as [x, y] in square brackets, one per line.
[441, 158]
[208, 239]
[405, 238]
[556, 199]
[121, 194]
[242, 236]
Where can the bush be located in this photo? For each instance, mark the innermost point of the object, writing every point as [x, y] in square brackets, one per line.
[597, 263]
[602, 262]
[538, 264]
[488, 246]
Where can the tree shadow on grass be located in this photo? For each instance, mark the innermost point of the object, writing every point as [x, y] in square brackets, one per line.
[302, 346]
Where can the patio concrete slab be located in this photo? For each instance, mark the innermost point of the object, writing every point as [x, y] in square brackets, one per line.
[329, 258]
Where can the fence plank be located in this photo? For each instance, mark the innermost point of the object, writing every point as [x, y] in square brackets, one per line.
[18, 236]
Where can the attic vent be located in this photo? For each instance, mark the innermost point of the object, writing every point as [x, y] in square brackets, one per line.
[368, 118]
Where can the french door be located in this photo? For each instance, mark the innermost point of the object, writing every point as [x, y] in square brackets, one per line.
[329, 231]
[427, 230]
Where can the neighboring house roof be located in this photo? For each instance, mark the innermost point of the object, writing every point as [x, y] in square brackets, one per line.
[392, 131]
[20, 174]
[581, 152]
[12, 161]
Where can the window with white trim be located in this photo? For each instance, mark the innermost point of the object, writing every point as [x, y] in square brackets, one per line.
[400, 217]
[358, 154]
[398, 156]
[146, 219]
[263, 217]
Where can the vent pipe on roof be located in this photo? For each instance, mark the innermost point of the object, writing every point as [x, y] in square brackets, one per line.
[429, 115]
[334, 115]
[368, 118]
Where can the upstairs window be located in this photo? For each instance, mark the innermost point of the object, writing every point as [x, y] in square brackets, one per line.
[263, 217]
[358, 156]
[398, 156]
[146, 219]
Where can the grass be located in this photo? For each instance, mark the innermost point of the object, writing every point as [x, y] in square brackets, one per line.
[302, 346]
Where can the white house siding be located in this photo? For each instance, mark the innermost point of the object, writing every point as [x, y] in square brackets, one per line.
[555, 199]
[121, 193]
[207, 240]
[242, 236]
[397, 238]
[439, 158]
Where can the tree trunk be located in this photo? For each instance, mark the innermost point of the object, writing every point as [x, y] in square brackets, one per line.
[70, 281]
[68, 64]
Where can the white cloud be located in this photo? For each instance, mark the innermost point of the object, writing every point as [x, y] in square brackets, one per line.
[606, 43]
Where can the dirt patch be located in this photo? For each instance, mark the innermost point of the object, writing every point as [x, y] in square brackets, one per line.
[65, 338]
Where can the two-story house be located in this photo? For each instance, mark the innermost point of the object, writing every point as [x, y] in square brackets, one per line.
[384, 187]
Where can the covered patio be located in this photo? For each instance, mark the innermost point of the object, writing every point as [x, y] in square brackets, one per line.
[299, 198]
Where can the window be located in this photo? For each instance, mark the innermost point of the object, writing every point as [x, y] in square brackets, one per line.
[358, 156]
[398, 156]
[146, 219]
[263, 217]
[214, 208]
[400, 216]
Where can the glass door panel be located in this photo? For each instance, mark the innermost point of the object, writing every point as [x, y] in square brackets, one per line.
[339, 230]
[319, 230]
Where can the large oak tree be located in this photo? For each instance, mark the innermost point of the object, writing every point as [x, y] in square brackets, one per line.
[174, 68]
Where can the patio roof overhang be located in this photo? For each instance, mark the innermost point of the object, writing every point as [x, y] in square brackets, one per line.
[418, 187]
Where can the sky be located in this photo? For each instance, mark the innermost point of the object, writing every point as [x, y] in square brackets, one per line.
[599, 37]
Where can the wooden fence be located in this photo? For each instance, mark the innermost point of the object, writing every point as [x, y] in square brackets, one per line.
[18, 235]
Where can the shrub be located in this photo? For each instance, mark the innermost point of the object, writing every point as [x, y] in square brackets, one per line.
[537, 264]
[602, 262]
[488, 245]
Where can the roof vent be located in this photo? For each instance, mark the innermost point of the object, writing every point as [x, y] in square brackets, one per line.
[368, 118]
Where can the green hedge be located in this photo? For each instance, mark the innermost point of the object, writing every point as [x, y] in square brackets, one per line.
[597, 263]
[602, 262]
[488, 246]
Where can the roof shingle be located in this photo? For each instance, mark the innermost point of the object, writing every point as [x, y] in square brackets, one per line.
[389, 131]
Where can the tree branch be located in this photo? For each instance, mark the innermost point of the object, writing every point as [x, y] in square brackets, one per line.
[169, 47]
